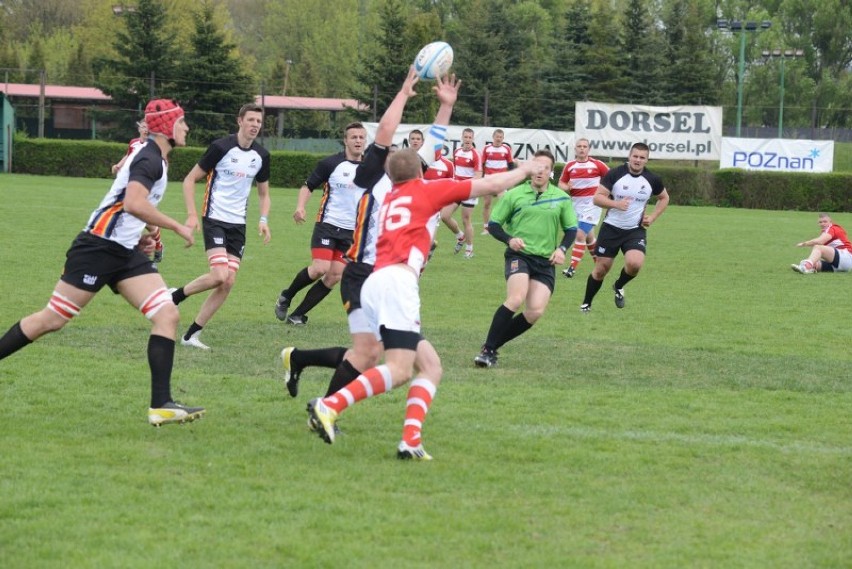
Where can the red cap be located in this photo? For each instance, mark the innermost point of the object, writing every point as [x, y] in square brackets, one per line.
[161, 116]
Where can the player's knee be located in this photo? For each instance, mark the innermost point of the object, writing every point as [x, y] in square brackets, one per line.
[514, 302]
[432, 369]
[399, 373]
[633, 268]
[59, 311]
[158, 307]
[533, 314]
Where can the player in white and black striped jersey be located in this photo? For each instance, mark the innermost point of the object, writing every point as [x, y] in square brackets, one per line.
[335, 223]
[112, 251]
[230, 165]
[624, 192]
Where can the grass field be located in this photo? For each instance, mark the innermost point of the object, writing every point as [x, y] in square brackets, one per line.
[705, 425]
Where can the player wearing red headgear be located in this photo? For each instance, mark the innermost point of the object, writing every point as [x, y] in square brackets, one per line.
[112, 251]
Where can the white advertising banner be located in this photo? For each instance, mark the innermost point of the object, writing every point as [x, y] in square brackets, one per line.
[524, 141]
[778, 154]
[673, 133]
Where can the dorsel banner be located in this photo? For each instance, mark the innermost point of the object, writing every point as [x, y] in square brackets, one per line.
[673, 133]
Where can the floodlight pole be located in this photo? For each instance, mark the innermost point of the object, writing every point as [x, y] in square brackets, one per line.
[783, 54]
[740, 77]
[740, 27]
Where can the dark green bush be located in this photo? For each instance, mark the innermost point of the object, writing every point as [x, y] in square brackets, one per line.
[93, 159]
[687, 185]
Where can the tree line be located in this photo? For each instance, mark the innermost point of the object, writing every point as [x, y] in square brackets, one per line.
[523, 63]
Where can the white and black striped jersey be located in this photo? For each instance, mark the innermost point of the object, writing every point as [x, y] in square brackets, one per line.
[109, 221]
[231, 170]
[371, 175]
[336, 175]
[638, 188]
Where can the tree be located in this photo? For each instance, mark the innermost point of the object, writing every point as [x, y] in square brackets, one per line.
[690, 72]
[213, 85]
[824, 28]
[644, 62]
[383, 72]
[568, 78]
[479, 59]
[143, 65]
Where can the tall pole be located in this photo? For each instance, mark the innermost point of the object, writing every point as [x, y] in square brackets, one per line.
[781, 105]
[740, 82]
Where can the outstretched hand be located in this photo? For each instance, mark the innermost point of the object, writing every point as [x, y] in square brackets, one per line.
[531, 168]
[409, 83]
[447, 89]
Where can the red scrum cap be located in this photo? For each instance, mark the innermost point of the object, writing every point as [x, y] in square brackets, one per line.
[161, 116]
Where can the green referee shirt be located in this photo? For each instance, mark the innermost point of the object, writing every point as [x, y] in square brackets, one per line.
[539, 219]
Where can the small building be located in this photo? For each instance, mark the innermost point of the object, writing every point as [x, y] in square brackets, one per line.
[58, 111]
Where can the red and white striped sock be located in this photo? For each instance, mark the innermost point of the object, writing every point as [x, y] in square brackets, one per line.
[420, 396]
[372, 382]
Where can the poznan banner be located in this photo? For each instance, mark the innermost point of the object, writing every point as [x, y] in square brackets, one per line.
[524, 141]
[675, 133]
[778, 154]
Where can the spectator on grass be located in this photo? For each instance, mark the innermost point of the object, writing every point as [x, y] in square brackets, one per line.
[831, 250]
[624, 192]
[111, 250]
[530, 219]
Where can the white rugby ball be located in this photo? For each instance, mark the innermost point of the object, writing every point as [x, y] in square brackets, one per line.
[434, 60]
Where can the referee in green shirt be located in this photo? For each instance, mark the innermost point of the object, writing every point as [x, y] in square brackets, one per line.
[529, 220]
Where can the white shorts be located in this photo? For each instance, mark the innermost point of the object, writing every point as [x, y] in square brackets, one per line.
[390, 297]
[844, 261]
[358, 323]
[586, 210]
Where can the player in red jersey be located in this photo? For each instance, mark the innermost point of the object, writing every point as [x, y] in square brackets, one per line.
[440, 169]
[134, 144]
[390, 296]
[468, 166]
[580, 178]
[496, 157]
[830, 250]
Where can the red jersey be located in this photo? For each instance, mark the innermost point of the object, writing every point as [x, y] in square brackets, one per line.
[409, 217]
[583, 178]
[467, 163]
[134, 144]
[496, 158]
[440, 169]
[839, 240]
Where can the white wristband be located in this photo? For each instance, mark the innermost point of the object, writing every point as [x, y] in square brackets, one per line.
[264, 219]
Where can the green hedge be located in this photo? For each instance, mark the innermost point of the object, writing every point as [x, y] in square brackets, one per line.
[93, 159]
[687, 185]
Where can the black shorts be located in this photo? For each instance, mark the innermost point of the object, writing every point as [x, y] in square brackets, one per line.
[538, 268]
[354, 275]
[328, 236]
[231, 236]
[611, 240]
[93, 262]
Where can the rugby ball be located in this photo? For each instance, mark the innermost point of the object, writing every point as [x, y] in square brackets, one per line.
[434, 60]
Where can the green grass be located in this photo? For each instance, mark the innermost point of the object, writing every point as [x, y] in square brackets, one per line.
[706, 425]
